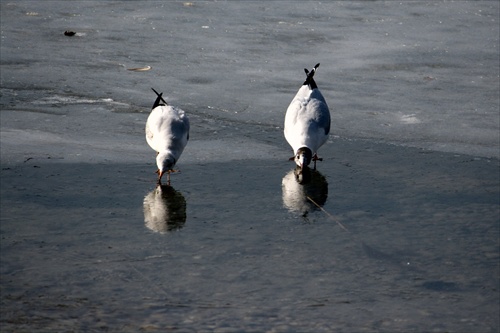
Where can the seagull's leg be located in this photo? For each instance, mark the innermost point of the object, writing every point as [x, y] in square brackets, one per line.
[316, 158]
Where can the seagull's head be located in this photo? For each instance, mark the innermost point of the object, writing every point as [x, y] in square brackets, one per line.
[303, 157]
[165, 162]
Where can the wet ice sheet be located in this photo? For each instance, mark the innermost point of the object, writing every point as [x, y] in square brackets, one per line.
[78, 250]
[421, 253]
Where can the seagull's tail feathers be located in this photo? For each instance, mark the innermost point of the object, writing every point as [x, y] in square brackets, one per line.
[159, 99]
[309, 80]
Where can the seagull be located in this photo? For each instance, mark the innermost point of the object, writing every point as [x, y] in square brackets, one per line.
[307, 122]
[167, 132]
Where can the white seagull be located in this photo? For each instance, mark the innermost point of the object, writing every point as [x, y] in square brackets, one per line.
[307, 122]
[167, 132]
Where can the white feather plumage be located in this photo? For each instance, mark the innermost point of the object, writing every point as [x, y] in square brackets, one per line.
[307, 120]
[167, 132]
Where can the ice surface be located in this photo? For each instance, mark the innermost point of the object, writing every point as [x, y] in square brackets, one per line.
[89, 243]
[424, 74]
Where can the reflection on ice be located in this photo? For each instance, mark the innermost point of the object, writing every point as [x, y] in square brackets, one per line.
[164, 209]
[298, 185]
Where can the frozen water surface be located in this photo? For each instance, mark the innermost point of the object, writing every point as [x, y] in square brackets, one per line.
[406, 238]
[418, 73]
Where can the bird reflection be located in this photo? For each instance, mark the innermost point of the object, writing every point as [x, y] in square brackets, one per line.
[298, 184]
[164, 209]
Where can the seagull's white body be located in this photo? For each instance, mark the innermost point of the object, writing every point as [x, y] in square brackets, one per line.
[167, 128]
[307, 121]
[167, 132]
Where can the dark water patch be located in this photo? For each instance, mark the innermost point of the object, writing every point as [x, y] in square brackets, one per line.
[410, 66]
[440, 286]
[200, 80]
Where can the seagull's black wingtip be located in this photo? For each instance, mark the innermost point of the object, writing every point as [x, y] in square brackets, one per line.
[158, 99]
[157, 94]
[309, 80]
